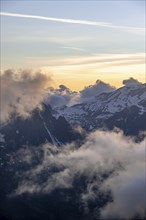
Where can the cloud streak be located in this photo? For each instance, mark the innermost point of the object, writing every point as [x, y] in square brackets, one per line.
[96, 59]
[74, 21]
[74, 48]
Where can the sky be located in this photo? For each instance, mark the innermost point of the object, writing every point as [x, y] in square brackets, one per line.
[76, 42]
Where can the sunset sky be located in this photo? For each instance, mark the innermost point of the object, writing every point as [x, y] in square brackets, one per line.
[77, 42]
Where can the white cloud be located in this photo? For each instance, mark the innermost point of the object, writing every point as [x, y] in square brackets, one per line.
[102, 153]
[61, 96]
[131, 82]
[21, 91]
[129, 196]
[96, 89]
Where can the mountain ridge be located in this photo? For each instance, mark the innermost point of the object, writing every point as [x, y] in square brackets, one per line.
[98, 110]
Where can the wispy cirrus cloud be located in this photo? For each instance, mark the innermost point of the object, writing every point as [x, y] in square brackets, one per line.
[74, 48]
[94, 59]
[136, 30]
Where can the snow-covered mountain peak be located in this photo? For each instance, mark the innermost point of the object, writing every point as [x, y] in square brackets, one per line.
[104, 106]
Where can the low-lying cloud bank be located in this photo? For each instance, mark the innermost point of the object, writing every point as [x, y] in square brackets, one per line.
[109, 161]
[21, 91]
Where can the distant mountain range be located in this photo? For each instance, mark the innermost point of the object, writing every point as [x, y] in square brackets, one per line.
[124, 108]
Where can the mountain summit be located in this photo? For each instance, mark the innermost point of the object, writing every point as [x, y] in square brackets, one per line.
[124, 108]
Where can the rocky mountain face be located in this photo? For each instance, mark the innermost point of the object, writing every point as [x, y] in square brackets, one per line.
[41, 127]
[124, 108]
[28, 135]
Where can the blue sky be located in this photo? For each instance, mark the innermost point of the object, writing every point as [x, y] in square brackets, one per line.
[111, 11]
[35, 43]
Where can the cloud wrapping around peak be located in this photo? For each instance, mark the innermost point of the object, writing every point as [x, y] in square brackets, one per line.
[61, 97]
[103, 153]
[21, 92]
[131, 82]
[96, 89]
